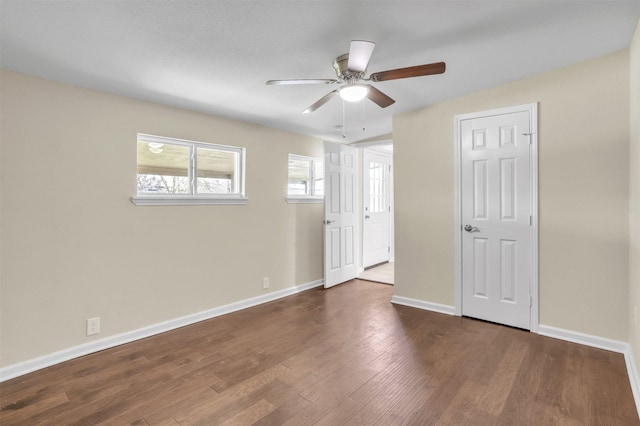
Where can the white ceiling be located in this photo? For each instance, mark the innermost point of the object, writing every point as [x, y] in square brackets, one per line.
[215, 56]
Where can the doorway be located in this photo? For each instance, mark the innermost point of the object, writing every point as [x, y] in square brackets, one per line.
[376, 200]
[496, 220]
[377, 213]
[346, 189]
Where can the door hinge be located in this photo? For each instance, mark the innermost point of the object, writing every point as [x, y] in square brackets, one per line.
[530, 138]
[530, 220]
[389, 249]
[389, 208]
[530, 301]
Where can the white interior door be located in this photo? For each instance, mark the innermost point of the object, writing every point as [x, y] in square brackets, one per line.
[340, 214]
[377, 207]
[495, 191]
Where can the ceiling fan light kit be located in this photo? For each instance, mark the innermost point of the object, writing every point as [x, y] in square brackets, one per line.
[353, 92]
[351, 69]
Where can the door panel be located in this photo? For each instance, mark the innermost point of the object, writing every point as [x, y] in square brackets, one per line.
[508, 270]
[480, 190]
[480, 267]
[495, 209]
[333, 195]
[340, 260]
[334, 243]
[507, 188]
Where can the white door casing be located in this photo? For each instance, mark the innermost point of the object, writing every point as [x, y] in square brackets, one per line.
[496, 253]
[377, 207]
[340, 214]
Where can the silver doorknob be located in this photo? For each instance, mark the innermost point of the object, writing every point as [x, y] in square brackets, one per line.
[367, 216]
[326, 222]
[470, 228]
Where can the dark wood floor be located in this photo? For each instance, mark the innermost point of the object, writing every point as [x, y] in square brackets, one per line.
[331, 357]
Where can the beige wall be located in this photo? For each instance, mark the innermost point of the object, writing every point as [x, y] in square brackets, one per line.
[75, 247]
[634, 198]
[583, 194]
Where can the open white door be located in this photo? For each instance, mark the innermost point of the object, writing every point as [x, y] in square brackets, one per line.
[496, 201]
[377, 208]
[340, 214]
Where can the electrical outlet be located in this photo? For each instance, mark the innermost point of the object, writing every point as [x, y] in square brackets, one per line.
[93, 326]
[265, 282]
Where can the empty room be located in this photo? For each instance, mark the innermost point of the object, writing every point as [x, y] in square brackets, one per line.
[319, 212]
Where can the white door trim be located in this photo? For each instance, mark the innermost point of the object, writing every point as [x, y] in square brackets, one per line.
[532, 109]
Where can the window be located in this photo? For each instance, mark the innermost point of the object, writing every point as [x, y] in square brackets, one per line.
[306, 179]
[175, 171]
[377, 187]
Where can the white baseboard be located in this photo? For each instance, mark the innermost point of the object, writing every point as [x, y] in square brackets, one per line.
[600, 343]
[15, 370]
[421, 304]
[634, 376]
[583, 339]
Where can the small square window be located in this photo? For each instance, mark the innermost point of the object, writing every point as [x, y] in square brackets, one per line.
[306, 179]
[163, 168]
[215, 171]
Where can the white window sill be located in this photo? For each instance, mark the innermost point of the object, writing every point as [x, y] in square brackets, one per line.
[186, 201]
[304, 200]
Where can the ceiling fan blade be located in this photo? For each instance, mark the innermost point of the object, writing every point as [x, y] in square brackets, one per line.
[359, 55]
[416, 71]
[323, 100]
[378, 97]
[301, 81]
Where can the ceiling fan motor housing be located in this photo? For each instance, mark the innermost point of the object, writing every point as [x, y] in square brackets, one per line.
[340, 64]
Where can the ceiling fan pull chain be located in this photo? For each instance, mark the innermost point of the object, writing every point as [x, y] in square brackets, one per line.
[344, 122]
[363, 126]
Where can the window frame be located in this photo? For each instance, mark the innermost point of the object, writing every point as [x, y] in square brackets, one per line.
[306, 198]
[193, 198]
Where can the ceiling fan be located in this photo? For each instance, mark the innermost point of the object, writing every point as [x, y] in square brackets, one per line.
[350, 70]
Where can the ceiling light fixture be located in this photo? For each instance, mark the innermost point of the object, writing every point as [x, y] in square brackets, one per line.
[155, 147]
[353, 92]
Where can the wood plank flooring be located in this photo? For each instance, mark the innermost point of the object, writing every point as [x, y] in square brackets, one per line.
[343, 356]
